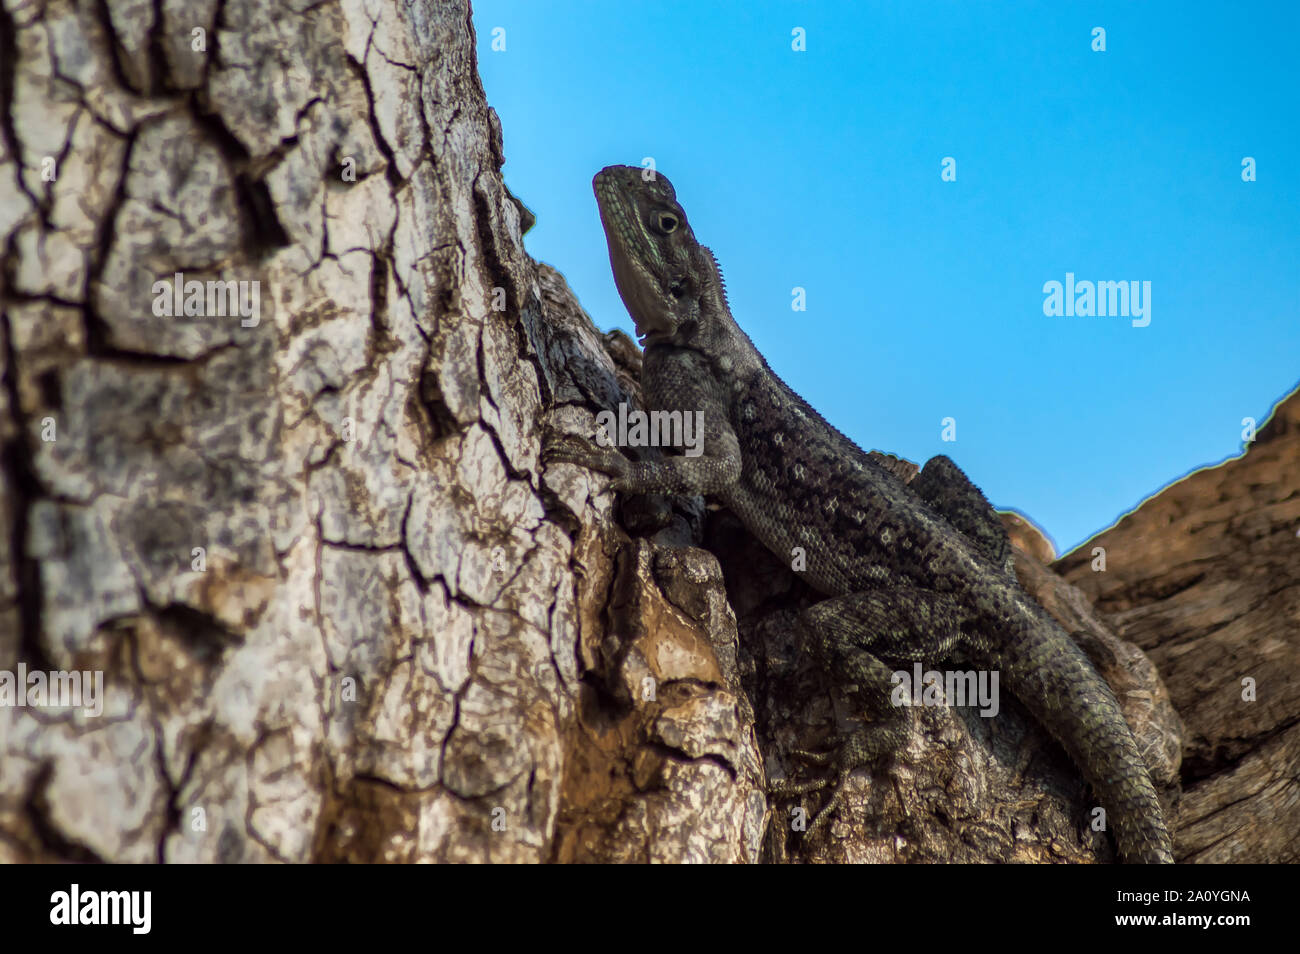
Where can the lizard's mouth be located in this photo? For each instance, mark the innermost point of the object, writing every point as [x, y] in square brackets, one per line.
[652, 330]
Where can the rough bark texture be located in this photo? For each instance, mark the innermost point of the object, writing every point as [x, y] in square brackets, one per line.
[383, 657]
[407, 640]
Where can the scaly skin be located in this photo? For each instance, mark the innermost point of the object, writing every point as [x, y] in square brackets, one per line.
[911, 572]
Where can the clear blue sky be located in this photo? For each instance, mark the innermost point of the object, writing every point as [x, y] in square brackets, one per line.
[821, 169]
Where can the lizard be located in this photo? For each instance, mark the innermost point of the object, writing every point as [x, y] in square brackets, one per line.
[909, 572]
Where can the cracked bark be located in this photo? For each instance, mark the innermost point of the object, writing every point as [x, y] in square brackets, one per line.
[381, 658]
[410, 641]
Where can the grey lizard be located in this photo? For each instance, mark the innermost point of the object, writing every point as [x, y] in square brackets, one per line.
[911, 572]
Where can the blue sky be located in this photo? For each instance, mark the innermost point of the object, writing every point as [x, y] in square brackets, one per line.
[821, 169]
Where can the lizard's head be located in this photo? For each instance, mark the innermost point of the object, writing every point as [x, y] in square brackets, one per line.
[660, 269]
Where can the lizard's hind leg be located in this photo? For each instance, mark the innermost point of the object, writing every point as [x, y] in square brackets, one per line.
[861, 639]
[946, 488]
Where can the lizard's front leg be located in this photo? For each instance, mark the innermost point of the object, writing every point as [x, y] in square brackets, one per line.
[710, 467]
[687, 476]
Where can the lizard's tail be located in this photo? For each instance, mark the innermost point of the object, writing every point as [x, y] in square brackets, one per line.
[1053, 678]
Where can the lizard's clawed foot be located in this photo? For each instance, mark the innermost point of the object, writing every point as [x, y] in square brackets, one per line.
[864, 747]
[561, 448]
[786, 788]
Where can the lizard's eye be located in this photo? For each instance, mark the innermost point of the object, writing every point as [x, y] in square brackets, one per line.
[677, 290]
[667, 221]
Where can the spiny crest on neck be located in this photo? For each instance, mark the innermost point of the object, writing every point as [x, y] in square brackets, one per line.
[717, 270]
